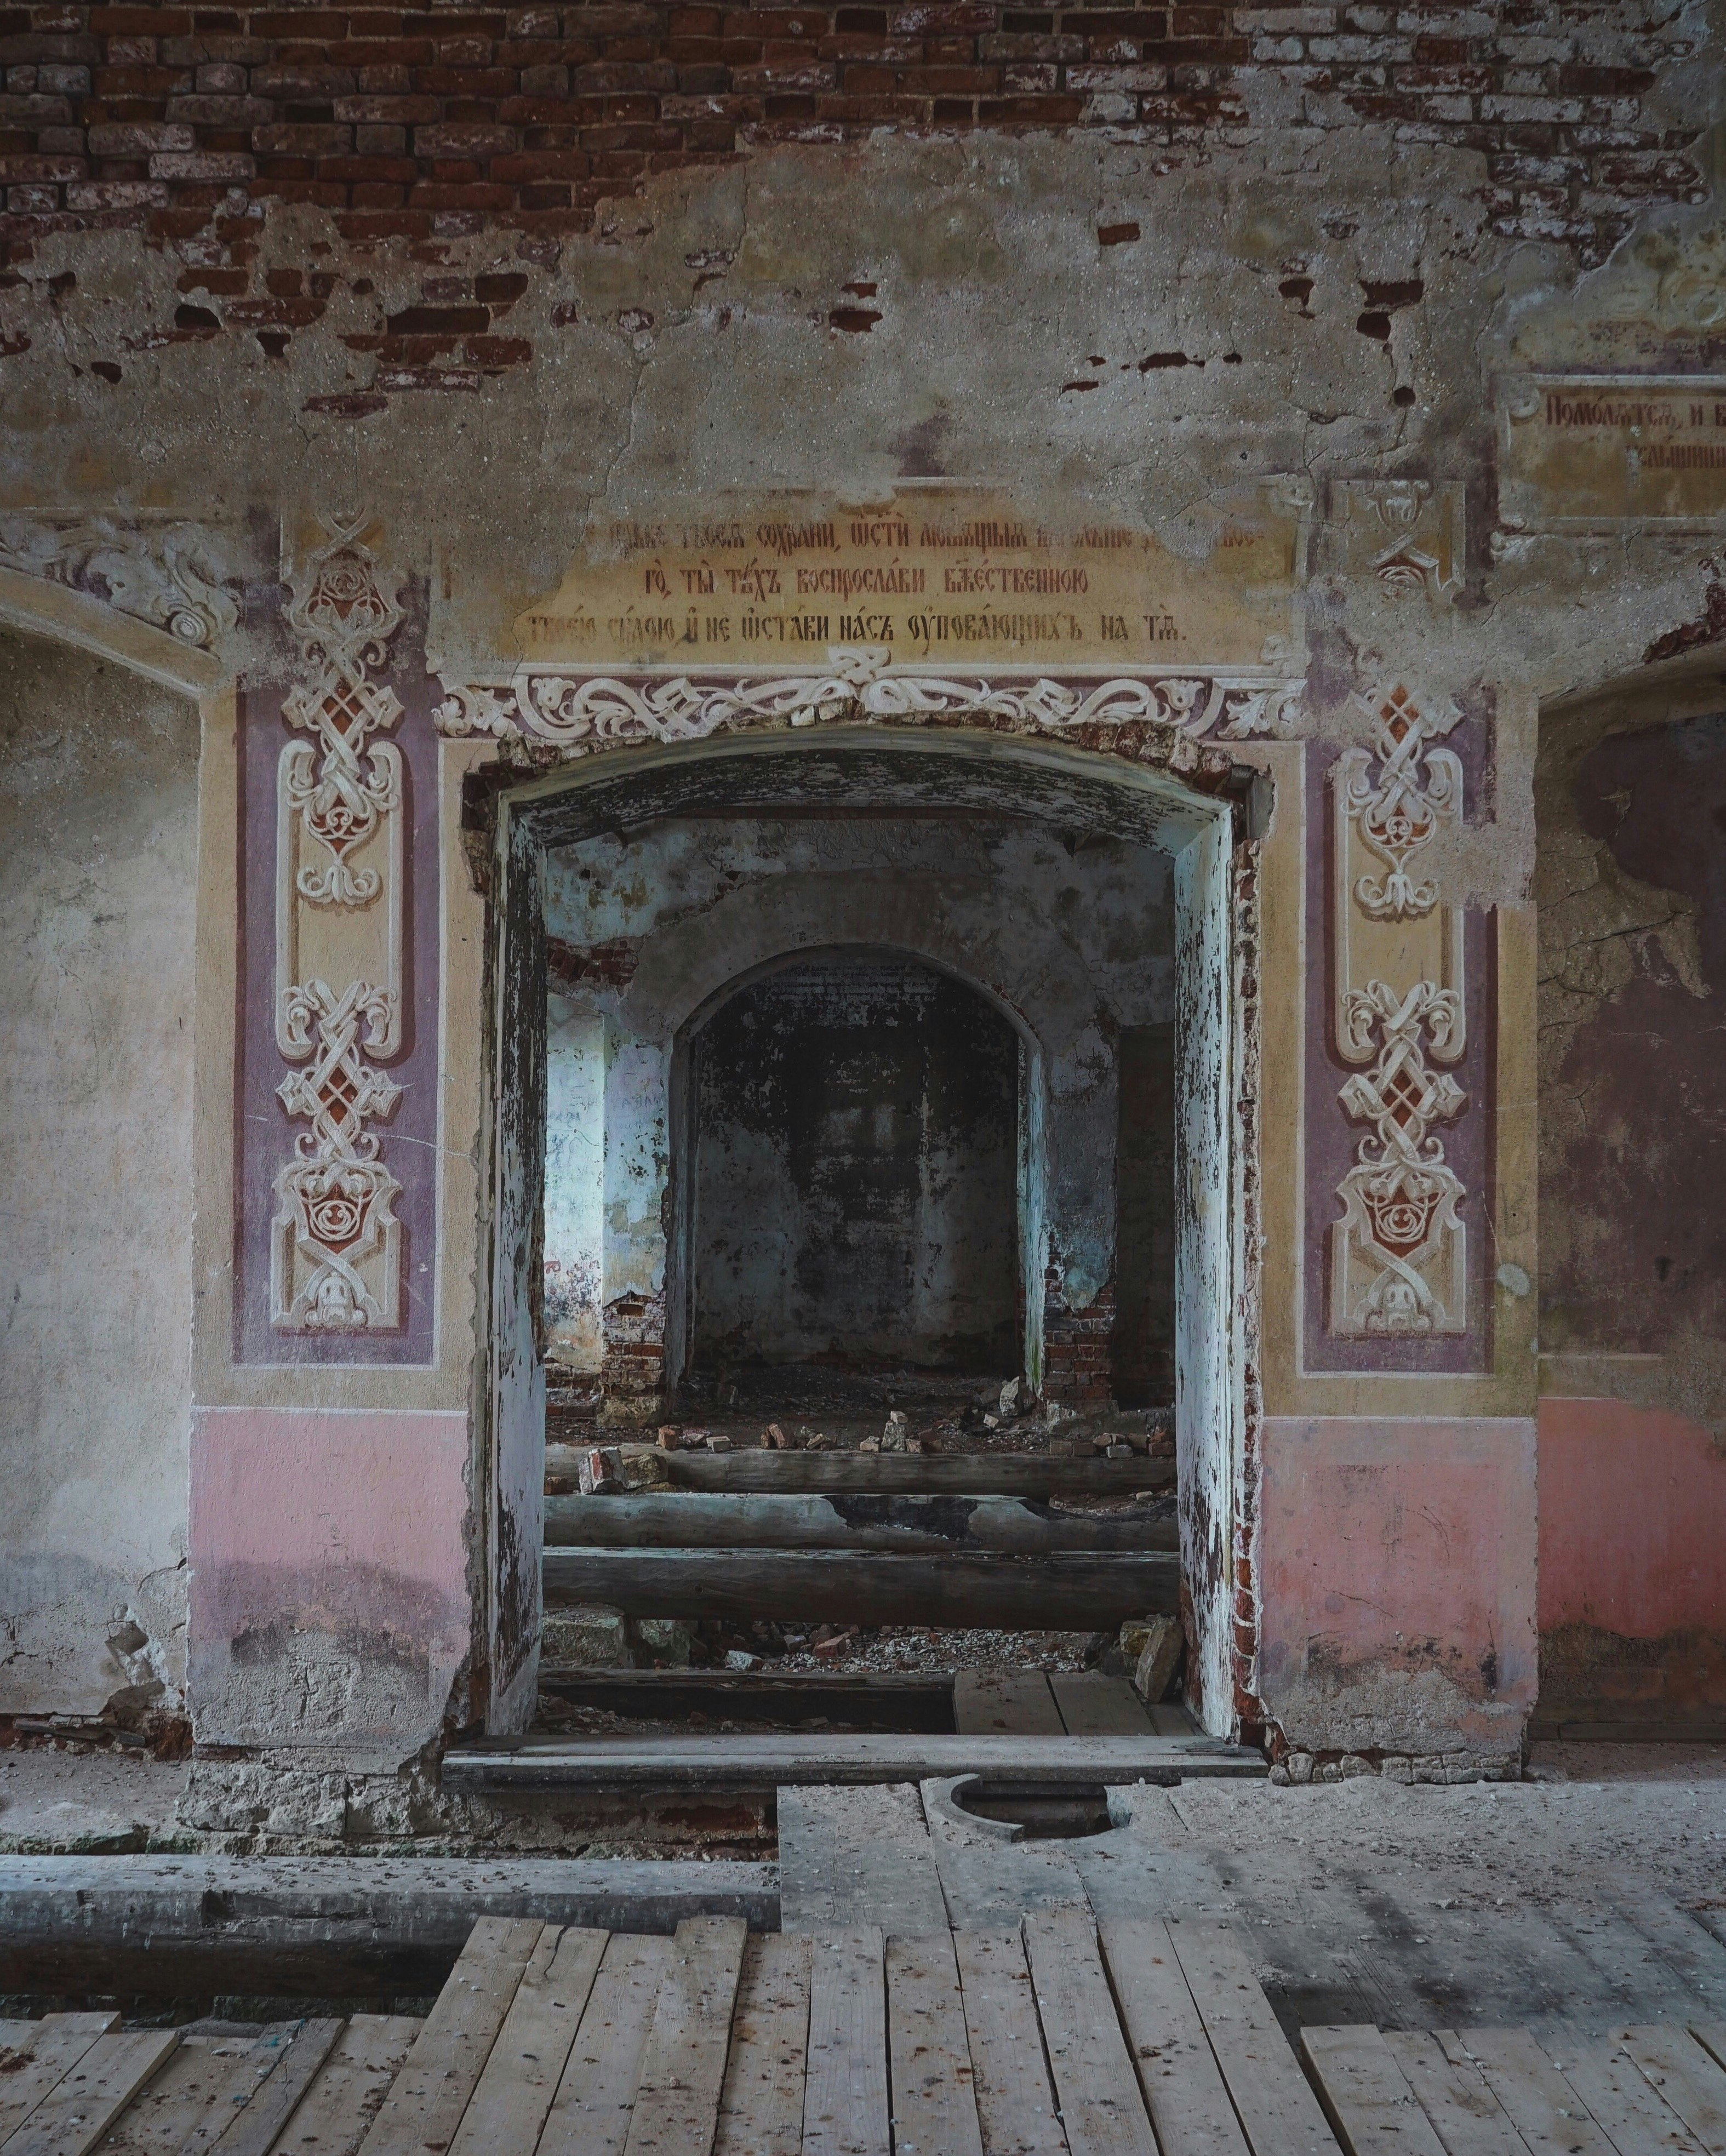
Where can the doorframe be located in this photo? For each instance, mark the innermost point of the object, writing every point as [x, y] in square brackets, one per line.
[1210, 830]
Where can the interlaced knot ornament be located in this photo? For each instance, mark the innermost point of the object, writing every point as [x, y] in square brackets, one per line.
[344, 618]
[1399, 808]
[335, 1241]
[1400, 1197]
[336, 1194]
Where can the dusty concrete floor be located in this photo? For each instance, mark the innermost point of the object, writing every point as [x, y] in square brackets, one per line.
[85, 1802]
[1631, 1816]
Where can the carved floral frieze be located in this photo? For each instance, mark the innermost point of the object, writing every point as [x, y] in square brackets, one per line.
[860, 686]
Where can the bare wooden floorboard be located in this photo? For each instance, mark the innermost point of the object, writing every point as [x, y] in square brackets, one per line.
[1102, 2109]
[1015, 2103]
[844, 2106]
[1686, 1946]
[934, 2101]
[41, 2059]
[337, 2110]
[1541, 2104]
[424, 2107]
[991, 1888]
[590, 2114]
[761, 2110]
[295, 2058]
[514, 2091]
[857, 1856]
[189, 2101]
[1093, 1705]
[1005, 1703]
[87, 2100]
[1623, 2103]
[1711, 2037]
[1272, 2096]
[1170, 1719]
[683, 2067]
[1366, 2095]
[1470, 2119]
[1184, 2087]
[1689, 2080]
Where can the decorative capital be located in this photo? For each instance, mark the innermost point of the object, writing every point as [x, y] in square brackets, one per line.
[176, 575]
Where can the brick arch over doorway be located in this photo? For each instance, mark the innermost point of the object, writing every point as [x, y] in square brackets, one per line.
[1208, 835]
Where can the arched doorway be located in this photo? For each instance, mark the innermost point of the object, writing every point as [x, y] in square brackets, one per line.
[1081, 796]
[851, 1158]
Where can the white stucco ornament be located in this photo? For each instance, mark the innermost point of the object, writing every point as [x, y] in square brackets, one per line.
[860, 686]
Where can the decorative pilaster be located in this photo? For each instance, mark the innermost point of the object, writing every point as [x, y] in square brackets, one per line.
[1399, 1255]
[335, 1251]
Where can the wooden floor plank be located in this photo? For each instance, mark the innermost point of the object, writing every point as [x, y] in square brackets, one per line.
[86, 2100]
[424, 2107]
[1274, 2103]
[1183, 2084]
[1093, 1705]
[683, 2067]
[1544, 2107]
[1005, 1703]
[844, 2105]
[41, 2058]
[590, 2114]
[857, 1856]
[1711, 2037]
[289, 2061]
[1470, 2119]
[337, 2110]
[1102, 2109]
[514, 2092]
[1623, 2103]
[1015, 2103]
[1170, 1719]
[190, 2102]
[1366, 2096]
[934, 2100]
[761, 2110]
[1685, 1945]
[1685, 2076]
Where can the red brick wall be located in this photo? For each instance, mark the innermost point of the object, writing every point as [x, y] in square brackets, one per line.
[417, 122]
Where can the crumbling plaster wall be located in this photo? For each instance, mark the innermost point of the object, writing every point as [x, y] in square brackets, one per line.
[1074, 936]
[98, 846]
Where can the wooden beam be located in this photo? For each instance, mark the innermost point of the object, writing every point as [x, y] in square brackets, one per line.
[692, 1519]
[1072, 1591]
[904, 1474]
[745, 1761]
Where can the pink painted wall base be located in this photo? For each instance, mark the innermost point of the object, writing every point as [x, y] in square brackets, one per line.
[1396, 1572]
[1633, 1578]
[329, 1599]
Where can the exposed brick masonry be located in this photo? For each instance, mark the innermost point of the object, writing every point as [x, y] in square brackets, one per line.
[429, 121]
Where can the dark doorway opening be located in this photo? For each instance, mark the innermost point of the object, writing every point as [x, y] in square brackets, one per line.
[853, 1161]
